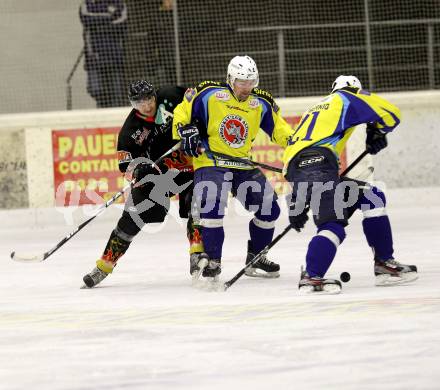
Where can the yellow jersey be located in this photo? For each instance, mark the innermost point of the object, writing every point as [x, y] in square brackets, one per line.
[331, 122]
[227, 125]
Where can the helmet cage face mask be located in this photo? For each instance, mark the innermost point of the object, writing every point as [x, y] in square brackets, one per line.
[346, 81]
[242, 69]
[139, 104]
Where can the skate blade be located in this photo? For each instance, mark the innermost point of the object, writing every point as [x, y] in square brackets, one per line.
[209, 284]
[196, 275]
[255, 273]
[328, 289]
[386, 280]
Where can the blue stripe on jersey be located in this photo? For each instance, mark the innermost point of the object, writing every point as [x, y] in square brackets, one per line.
[332, 140]
[363, 113]
[200, 106]
[388, 128]
[267, 124]
[205, 144]
[346, 104]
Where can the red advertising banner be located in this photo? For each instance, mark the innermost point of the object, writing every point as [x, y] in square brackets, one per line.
[85, 165]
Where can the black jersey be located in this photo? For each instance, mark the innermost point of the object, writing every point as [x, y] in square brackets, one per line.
[151, 137]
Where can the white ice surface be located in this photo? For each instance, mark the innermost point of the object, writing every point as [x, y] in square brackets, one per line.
[145, 327]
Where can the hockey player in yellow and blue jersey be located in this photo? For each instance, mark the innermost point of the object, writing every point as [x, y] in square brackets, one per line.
[225, 118]
[311, 164]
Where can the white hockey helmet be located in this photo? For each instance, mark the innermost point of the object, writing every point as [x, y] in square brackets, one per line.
[242, 68]
[345, 81]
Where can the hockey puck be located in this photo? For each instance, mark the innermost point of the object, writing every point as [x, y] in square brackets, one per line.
[345, 277]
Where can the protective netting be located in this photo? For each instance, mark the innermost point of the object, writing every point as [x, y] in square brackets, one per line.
[300, 46]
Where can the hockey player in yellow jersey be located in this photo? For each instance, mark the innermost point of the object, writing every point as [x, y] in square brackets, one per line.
[331, 122]
[311, 166]
[225, 118]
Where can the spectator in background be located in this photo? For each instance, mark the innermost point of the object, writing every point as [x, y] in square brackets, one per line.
[165, 44]
[104, 30]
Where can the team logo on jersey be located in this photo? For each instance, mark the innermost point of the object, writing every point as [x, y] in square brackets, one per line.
[222, 96]
[189, 94]
[124, 157]
[140, 135]
[234, 131]
[254, 103]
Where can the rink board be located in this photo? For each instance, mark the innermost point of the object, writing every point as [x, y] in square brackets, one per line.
[32, 144]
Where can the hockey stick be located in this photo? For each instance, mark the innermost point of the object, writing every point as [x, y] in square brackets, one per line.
[354, 163]
[35, 258]
[276, 169]
[263, 252]
[245, 161]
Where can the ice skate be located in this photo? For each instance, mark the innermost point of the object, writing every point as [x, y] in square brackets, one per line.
[391, 273]
[198, 262]
[263, 268]
[93, 278]
[209, 276]
[212, 270]
[318, 285]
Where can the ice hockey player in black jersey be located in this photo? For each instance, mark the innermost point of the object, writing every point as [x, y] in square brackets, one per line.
[146, 136]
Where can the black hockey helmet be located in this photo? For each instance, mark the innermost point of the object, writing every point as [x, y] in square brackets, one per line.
[140, 89]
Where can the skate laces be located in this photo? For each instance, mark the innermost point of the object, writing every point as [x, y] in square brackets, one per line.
[265, 260]
[194, 259]
[214, 264]
[401, 267]
[305, 277]
[97, 272]
[97, 275]
[388, 262]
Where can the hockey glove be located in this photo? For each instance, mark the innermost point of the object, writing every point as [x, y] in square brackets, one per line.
[376, 139]
[298, 221]
[190, 140]
[143, 169]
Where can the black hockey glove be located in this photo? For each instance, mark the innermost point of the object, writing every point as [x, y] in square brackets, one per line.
[143, 169]
[376, 139]
[297, 221]
[190, 140]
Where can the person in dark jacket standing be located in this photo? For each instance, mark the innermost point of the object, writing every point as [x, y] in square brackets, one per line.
[104, 31]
